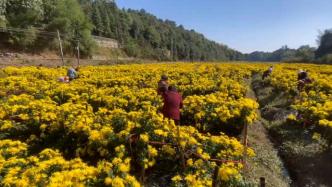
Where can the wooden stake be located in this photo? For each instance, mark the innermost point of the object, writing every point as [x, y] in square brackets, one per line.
[60, 44]
[245, 143]
[215, 175]
[262, 182]
[142, 178]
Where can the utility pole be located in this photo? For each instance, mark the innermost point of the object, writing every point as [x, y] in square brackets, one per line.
[60, 44]
[188, 54]
[172, 49]
[78, 53]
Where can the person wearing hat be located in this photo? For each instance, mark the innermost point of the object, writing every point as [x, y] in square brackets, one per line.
[302, 75]
[303, 79]
[267, 72]
[270, 69]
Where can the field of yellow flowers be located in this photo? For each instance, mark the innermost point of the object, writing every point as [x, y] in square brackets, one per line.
[313, 104]
[106, 129]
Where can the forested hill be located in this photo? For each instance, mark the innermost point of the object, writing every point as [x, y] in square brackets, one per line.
[302, 54]
[322, 54]
[305, 53]
[145, 36]
[32, 25]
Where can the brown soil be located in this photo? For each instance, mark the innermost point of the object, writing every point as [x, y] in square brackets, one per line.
[266, 163]
[52, 59]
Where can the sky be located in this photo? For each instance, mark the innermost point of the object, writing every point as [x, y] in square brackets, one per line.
[246, 25]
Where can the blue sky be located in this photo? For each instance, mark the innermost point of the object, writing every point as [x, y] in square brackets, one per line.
[246, 25]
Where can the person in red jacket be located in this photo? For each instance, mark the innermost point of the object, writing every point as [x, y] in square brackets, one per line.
[172, 104]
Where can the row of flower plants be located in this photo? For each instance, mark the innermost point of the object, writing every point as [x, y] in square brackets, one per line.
[314, 103]
[105, 128]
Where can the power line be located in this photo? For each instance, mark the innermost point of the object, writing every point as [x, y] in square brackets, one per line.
[32, 32]
[22, 30]
[27, 32]
[42, 33]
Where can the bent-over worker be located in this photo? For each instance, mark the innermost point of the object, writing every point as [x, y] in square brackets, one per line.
[72, 73]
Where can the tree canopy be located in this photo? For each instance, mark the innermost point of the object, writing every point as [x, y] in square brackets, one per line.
[34, 18]
[139, 33]
[302, 54]
[145, 36]
[325, 44]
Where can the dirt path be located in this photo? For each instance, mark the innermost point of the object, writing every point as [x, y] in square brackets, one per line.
[266, 163]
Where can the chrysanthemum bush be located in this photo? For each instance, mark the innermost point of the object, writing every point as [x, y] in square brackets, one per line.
[219, 111]
[49, 168]
[313, 103]
[105, 128]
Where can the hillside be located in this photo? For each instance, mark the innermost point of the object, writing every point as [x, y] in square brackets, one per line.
[146, 36]
[33, 27]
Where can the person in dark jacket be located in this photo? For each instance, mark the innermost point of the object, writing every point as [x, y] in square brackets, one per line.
[303, 79]
[172, 104]
[267, 72]
[302, 75]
